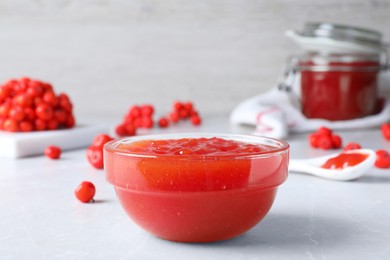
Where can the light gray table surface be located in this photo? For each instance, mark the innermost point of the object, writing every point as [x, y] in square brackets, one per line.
[312, 218]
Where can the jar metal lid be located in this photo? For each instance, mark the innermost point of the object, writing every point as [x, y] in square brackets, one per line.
[335, 38]
[343, 33]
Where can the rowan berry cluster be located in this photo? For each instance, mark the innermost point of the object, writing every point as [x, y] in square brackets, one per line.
[325, 139]
[142, 117]
[31, 105]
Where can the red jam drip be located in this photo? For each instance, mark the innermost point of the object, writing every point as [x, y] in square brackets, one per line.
[344, 160]
[194, 146]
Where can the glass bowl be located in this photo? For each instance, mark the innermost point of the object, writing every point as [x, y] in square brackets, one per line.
[196, 187]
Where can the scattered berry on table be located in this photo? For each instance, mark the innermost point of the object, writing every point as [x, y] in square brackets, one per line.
[352, 146]
[184, 111]
[95, 150]
[85, 191]
[195, 120]
[53, 152]
[324, 138]
[120, 130]
[325, 131]
[386, 131]
[336, 141]
[163, 122]
[95, 157]
[382, 159]
[325, 142]
[147, 110]
[141, 116]
[174, 117]
[101, 139]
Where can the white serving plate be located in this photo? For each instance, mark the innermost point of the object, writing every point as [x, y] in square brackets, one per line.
[17, 145]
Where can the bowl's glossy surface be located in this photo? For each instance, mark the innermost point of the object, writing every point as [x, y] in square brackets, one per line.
[192, 197]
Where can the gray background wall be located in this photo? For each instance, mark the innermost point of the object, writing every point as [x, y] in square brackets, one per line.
[109, 54]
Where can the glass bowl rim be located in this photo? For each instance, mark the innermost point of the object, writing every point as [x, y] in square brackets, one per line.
[283, 148]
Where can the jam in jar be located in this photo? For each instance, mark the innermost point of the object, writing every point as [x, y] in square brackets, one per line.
[338, 70]
[338, 87]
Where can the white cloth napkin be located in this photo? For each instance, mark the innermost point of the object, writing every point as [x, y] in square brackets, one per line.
[275, 115]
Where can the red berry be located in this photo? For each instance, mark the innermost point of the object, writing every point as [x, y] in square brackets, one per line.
[325, 142]
[1, 123]
[39, 124]
[44, 111]
[177, 105]
[24, 81]
[128, 119]
[313, 140]
[61, 116]
[322, 137]
[386, 131]
[135, 111]
[62, 97]
[138, 122]
[174, 117]
[336, 141]
[26, 126]
[35, 89]
[120, 130]
[52, 124]
[194, 113]
[16, 113]
[38, 101]
[147, 110]
[53, 152]
[100, 140]
[147, 122]
[66, 105]
[5, 109]
[352, 146]
[12, 83]
[130, 129]
[195, 120]
[63, 102]
[5, 92]
[382, 159]
[85, 191]
[29, 114]
[95, 157]
[188, 106]
[10, 125]
[47, 86]
[70, 122]
[324, 131]
[183, 113]
[23, 100]
[163, 122]
[50, 98]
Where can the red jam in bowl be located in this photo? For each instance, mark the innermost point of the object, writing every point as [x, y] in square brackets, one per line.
[196, 187]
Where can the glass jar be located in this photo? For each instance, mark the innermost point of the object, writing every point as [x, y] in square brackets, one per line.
[338, 71]
[338, 87]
